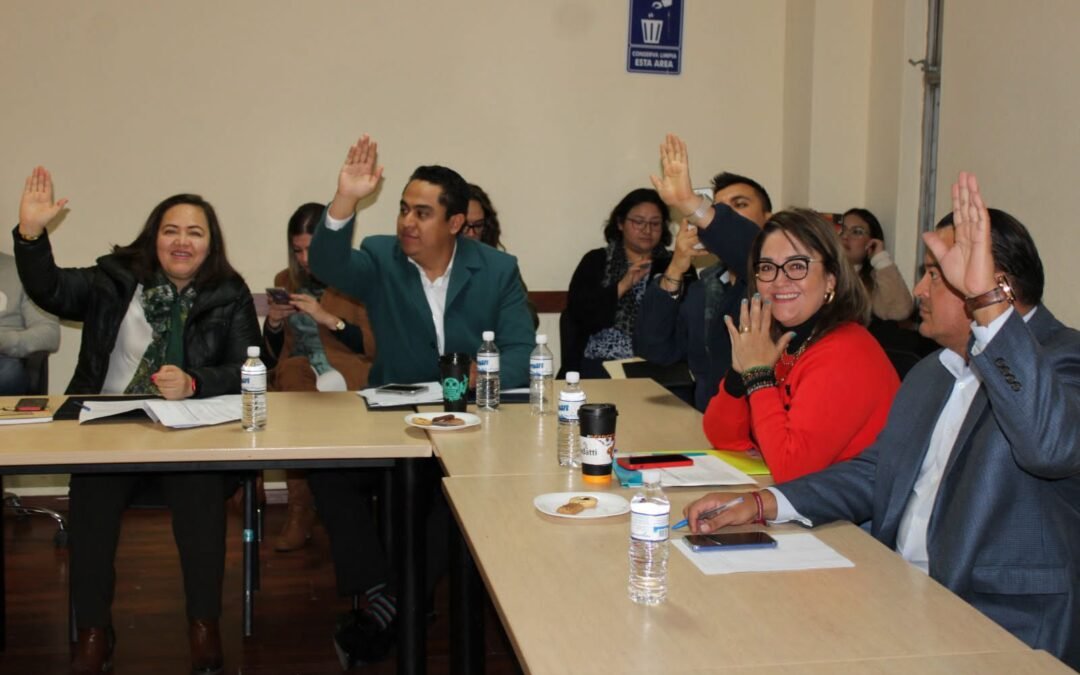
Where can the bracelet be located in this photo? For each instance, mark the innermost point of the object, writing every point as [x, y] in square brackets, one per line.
[1002, 292]
[699, 212]
[750, 372]
[677, 282]
[760, 519]
[26, 237]
[759, 385]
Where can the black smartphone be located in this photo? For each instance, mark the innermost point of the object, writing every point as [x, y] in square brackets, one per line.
[636, 462]
[402, 389]
[730, 541]
[31, 404]
[278, 296]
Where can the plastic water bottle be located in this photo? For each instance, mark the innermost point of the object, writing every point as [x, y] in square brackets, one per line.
[253, 392]
[541, 378]
[571, 397]
[487, 373]
[649, 512]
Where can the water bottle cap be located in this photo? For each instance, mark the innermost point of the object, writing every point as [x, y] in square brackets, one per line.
[573, 377]
[650, 476]
[541, 339]
[253, 352]
[488, 335]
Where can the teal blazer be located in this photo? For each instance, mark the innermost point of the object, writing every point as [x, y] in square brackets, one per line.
[485, 293]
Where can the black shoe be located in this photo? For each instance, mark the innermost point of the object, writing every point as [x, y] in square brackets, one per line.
[359, 639]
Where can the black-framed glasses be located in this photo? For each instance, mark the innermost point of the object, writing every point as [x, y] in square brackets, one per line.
[856, 231]
[642, 225]
[794, 268]
[476, 225]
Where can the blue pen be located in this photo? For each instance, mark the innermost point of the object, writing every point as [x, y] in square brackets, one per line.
[705, 515]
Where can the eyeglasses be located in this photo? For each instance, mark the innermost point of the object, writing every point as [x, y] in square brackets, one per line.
[476, 225]
[642, 225]
[857, 231]
[794, 268]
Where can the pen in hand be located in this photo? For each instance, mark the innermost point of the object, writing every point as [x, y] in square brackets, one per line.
[705, 515]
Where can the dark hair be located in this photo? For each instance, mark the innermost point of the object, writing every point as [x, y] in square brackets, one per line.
[725, 179]
[1014, 253]
[492, 232]
[851, 301]
[141, 254]
[455, 191]
[303, 221]
[632, 199]
[867, 272]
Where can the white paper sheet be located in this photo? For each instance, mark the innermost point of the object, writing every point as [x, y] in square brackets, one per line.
[173, 414]
[792, 552]
[707, 470]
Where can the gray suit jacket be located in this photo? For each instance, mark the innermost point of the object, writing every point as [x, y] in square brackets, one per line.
[1005, 530]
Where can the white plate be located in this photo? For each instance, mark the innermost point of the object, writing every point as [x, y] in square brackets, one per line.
[470, 421]
[607, 504]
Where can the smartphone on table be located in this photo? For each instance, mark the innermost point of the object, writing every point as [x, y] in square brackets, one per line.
[278, 296]
[402, 389]
[31, 404]
[638, 462]
[730, 541]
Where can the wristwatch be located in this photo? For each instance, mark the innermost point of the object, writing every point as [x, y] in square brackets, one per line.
[1002, 292]
[340, 325]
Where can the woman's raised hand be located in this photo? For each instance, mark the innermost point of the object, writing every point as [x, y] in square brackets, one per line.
[37, 208]
[752, 344]
[674, 185]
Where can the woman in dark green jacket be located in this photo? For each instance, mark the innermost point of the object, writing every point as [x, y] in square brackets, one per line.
[165, 315]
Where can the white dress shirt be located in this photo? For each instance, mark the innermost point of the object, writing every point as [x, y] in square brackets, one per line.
[434, 289]
[911, 535]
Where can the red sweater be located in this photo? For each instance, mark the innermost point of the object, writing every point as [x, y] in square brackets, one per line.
[832, 404]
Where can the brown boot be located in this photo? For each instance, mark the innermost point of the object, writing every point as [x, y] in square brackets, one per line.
[93, 652]
[207, 657]
[301, 517]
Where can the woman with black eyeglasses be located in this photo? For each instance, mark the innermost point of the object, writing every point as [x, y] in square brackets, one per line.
[863, 242]
[482, 224]
[808, 386]
[608, 284]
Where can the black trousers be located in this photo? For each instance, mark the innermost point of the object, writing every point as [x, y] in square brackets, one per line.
[197, 502]
[343, 500]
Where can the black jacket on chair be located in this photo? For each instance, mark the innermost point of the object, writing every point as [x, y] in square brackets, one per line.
[220, 326]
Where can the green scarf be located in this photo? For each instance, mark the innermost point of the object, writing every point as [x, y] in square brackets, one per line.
[166, 311]
[306, 333]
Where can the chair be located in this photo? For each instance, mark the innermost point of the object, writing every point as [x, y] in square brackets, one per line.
[37, 370]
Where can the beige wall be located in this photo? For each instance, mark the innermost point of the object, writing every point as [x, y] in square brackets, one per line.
[1009, 109]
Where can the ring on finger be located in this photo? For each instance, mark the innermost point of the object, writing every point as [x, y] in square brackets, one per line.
[744, 329]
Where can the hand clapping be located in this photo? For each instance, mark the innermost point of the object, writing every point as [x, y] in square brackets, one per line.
[752, 344]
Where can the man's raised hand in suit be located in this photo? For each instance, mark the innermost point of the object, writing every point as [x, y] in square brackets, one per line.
[359, 177]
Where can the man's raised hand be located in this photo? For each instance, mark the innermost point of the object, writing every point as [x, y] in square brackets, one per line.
[358, 178]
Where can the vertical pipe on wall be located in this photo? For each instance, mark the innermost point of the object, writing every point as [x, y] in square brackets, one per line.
[931, 67]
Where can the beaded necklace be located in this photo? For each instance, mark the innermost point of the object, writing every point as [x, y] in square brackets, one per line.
[787, 360]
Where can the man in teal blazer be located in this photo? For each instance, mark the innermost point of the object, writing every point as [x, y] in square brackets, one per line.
[428, 292]
[424, 274]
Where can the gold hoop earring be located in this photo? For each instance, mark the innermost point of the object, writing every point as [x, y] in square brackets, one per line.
[829, 295]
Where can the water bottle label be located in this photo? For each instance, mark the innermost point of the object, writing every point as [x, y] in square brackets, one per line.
[541, 367]
[255, 382]
[597, 450]
[487, 363]
[649, 526]
[568, 410]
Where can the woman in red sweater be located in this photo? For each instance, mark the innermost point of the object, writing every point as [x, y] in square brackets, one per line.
[808, 385]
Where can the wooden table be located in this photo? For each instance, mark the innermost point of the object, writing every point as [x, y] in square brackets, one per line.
[513, 441]
[304, 430]
[991, 663]
[560, 590]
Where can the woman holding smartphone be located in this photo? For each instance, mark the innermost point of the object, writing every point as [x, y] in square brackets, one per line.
[315, 339]
[168, 316]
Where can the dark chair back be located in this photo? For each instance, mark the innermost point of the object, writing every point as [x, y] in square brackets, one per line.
[37, 373]
[571, 344]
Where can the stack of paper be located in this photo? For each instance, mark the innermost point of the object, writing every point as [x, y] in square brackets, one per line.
[792, 552]
[378, 399]
[192, 412]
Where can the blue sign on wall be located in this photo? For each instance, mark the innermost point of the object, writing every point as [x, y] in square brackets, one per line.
[655, 40]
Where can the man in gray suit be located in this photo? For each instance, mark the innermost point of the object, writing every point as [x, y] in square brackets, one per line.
[976, 477]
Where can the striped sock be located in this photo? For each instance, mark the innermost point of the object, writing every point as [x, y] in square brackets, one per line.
[381, 605]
